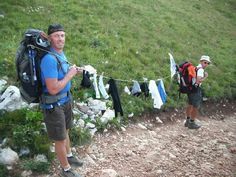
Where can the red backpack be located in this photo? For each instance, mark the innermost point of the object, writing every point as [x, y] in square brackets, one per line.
[187, 75]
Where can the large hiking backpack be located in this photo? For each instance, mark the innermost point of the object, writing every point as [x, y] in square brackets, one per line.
[28, 58]
[187, 74]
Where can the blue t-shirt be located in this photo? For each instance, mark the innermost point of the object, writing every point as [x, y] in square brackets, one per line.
[50, 68]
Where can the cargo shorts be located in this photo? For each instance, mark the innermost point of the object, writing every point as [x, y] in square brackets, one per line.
[195, 98]
[58, 120]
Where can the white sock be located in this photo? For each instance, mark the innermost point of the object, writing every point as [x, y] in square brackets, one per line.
[69, 155]
[67, 169]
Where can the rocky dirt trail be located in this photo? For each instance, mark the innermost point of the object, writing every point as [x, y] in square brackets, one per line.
[149, 148]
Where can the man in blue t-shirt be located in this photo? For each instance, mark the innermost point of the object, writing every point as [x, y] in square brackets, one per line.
[56, 99]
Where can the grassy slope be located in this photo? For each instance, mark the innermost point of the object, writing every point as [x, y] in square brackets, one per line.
[131, 39]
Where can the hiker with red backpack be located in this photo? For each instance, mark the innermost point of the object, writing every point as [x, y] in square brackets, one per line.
[195, 96]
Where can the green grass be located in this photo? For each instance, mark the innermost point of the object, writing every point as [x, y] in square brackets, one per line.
[131, 39]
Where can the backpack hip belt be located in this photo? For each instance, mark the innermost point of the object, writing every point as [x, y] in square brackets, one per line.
[50, 99]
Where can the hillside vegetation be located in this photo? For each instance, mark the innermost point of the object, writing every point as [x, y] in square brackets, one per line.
[130, 40]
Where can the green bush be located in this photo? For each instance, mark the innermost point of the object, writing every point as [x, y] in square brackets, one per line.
[42, 145]
[115, 123]
[24, 129]
[99, 125]
[36, 166]
[79, 136]
[9, 120]
[3, 171]
[6, 68]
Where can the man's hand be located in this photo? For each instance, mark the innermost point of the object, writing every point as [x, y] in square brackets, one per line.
[72, 71]
[79, 70]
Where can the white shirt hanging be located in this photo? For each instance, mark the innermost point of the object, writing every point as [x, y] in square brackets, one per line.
[155, 94]
[102, 88]
[95, 85]
[172, 65]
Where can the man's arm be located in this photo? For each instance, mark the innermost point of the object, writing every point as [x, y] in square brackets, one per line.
[54, 85]
[201, 79]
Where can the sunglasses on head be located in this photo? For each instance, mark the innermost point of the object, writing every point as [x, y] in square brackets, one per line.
[206, 62]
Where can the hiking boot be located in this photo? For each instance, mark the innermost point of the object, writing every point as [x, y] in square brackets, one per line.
[74, 161]
[69, 173]
[193, 125]
[186, 123]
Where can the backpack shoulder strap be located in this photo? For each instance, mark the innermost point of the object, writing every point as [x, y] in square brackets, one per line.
[59, 63]
[197, 68]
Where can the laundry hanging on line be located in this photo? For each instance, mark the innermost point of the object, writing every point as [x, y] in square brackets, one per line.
[161, 90]
[144, 89]
[102, 87]
[136, 90]
[95, 86]
[157, 91]
[115, 97]
[172, 66]
[86, 82]
[156, 96]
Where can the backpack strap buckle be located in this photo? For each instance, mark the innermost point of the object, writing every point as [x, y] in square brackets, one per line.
[50, 99]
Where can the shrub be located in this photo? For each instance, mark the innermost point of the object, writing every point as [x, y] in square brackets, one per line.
[36, 166]
[79, 136]
[3, 171]
[9, 120]
[25, 130]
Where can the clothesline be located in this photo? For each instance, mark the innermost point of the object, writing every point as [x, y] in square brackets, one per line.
[157, 90]
[122, 80]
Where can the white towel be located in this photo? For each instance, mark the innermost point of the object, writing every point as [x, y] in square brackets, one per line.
[172, 65]
[155, 94]
[95, 85]
[102, 88]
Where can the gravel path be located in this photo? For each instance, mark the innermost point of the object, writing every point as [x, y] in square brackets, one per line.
[165, 150]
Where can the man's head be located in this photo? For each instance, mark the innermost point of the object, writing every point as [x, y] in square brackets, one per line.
[205, 60]
[54, 28]
[56, 35]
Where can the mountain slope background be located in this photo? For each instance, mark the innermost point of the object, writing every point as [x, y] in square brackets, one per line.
[129, 40]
